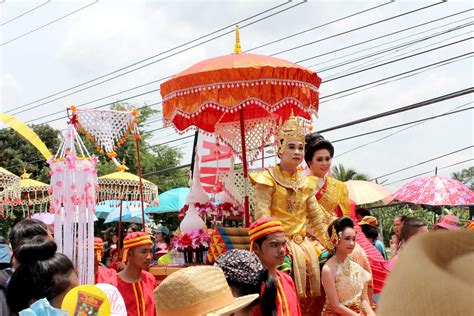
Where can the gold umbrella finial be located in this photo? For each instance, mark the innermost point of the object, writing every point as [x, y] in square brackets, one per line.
[237, 48]
[122, 167]
[25, 175]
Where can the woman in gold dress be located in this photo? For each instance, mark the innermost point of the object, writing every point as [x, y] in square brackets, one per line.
[345, 282]
[285, 193]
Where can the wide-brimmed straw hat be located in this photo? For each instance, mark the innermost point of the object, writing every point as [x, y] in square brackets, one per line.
[198, 291]
[433, 276]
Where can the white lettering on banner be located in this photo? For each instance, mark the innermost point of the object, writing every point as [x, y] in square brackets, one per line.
[211, 162]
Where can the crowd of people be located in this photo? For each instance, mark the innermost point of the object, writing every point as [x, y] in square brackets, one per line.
[311, 252]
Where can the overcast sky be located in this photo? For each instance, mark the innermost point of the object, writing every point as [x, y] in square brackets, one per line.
[109, 35]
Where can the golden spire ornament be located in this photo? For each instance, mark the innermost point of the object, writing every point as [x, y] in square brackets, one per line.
[237, 48]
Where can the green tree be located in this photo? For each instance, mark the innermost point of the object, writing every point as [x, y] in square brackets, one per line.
[465, 176]
[340, 173]
[16, 153]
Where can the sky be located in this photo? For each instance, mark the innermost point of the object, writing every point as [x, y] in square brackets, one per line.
[79, 41]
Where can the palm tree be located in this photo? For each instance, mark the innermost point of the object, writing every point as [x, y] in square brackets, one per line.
[340, 173]
[465, 176]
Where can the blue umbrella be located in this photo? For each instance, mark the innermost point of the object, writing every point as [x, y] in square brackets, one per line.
[131, 213]
[103, 209]
[170, 201]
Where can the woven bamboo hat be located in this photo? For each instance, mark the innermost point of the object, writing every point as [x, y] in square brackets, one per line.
[198, 291]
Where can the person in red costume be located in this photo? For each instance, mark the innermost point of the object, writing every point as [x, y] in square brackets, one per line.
[134, 283]
[269, 242]
[102, 274]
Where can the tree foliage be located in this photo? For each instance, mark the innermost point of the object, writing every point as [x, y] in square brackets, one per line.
[465, 176]
[340, 173]
[17, 153]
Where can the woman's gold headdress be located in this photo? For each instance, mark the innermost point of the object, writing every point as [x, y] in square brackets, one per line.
[291, 130]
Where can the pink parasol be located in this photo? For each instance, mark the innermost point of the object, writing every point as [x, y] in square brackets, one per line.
[435, 190]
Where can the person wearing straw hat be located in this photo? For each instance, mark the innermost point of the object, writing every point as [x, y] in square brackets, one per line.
[245, 275]
[198, 291]
[368, 225]
[102, 274]
[134, 283]
[269, 242]
[433, 276]
[283, 192]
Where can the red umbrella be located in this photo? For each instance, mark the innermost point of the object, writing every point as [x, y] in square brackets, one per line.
[435, 190]
[240, 97]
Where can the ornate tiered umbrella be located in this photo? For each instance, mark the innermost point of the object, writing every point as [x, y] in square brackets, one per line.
[240, 97]
[124, 186]
[33, 193]
[9, 188]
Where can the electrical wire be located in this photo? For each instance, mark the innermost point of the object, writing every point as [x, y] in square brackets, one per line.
[357, 28]
[421, 163]
[428, 172]
[25, 13]
[49, 23]
[148, 64]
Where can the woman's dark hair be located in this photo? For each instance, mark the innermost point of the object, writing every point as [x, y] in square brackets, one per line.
[315, 142]
[370, 231]
[362, 211]
[410, 227]
[340, 225]
[43, 273]
[134, 227]
[26, 229]
[269, 295]
[402, 218]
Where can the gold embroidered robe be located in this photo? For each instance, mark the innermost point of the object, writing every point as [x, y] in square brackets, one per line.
[291, 199]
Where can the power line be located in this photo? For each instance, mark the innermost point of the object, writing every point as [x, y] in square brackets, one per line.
[398, 59]
[387, 35]
[155, 90]
[49, 23]
[325, 97]
[171, 56]
[441, 98]
[159, 54]
[399, 74]
[358, 28]
[400, 125]
[25, 13]
[318, 26]
[421, 163]
[397, 79]
[166, 58]
[428, 172]
[390, 135]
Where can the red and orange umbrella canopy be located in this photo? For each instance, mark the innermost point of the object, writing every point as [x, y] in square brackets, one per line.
[214, 90]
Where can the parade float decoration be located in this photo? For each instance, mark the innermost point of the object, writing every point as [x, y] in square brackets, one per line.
[9, 189]
[192, 238]
[124, 186]
[34, 195]
[240, 98]
[73, 201]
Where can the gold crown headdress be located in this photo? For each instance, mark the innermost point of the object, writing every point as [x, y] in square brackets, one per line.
[291, 130]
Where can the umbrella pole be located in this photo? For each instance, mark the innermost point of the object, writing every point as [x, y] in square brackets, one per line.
[245, 169]
[120, 233]
[141, 181]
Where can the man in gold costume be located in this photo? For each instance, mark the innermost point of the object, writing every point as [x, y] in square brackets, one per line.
[283, 192]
